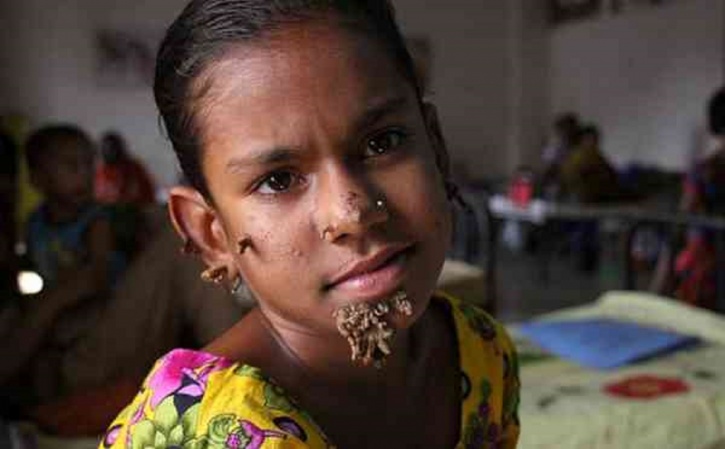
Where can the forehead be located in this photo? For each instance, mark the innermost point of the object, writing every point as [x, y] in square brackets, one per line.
[299, 73]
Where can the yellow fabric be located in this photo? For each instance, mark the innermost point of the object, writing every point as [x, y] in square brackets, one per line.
[29, 198]
[196, 400]
[587, 175]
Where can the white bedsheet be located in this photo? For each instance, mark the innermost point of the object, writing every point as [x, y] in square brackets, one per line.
[565, 406]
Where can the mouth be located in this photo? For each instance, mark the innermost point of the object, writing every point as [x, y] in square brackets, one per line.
[372, 277]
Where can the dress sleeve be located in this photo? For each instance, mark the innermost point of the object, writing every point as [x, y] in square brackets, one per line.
[165, 411]
[194, 400]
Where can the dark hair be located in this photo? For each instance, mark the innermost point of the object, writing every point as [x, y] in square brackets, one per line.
[113, 147]
[113, 138]
[566, 121]
[206, 28]
[716, 112]
[567, 125]
[588, 130]
[45, 139]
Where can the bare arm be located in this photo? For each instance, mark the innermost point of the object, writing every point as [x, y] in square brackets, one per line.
[25, 329]
[28, 326]
[93, 277]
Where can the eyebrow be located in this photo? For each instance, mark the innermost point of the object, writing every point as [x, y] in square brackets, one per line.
[282, 155]
[275, 156]
[380, 110]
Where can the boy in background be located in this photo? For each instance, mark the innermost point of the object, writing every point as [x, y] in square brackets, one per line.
[70, 245]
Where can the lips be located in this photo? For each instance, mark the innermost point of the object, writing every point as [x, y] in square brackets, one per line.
[373, 276]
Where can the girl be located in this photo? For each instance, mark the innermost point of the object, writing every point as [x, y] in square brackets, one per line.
[320, 178]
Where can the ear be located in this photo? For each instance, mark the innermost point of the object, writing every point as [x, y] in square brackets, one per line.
[195, 219]
[433, 126]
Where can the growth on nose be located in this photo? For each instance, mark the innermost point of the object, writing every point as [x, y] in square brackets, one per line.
[353, 207]
[354, 213]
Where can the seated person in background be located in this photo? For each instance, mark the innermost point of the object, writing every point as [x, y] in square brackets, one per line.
[120, 178]
[563, 138]
[77, 351]
[586, 174]
[692, 276]
[160, 303]
[122, 182]
[587, 177]
[70, 245]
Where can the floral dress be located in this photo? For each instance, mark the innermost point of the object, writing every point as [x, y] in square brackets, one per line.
[195, 400]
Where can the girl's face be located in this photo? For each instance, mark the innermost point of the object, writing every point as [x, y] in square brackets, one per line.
[315, 147]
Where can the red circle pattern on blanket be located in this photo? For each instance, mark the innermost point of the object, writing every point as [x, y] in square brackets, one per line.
[646, 387]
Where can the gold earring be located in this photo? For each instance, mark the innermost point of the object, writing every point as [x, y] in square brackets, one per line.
[215, 275]
[237, 285]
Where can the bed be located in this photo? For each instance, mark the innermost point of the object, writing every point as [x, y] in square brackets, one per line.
[676, 401]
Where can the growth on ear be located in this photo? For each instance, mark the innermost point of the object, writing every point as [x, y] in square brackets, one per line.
[196, 220]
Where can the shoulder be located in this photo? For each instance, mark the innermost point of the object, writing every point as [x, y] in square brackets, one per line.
[472, 323]
[486, 351]
[194, 399]
[489, 377]
[167, 405]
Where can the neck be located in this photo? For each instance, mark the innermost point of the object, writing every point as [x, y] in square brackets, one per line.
[324, 358]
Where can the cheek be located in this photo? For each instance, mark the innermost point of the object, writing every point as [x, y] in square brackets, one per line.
[419, 197]
[279, 247]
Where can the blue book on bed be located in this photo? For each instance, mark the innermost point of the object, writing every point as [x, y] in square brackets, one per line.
[603, 343]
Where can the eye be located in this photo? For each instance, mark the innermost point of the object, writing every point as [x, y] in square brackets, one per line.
[384, 142]
[277, 182]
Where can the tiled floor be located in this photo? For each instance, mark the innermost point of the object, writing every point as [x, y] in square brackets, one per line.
[524, 291]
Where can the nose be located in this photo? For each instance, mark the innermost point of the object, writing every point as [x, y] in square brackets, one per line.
[348, 206]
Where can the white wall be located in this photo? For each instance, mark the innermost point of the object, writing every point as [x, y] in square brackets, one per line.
[471, 75]
[50, 72]
[643, 77]
[499, 73]
[529, 81]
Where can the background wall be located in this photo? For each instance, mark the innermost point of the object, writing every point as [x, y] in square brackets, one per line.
[51, 72]
[499, 73]
[643, 77]
[471, 77]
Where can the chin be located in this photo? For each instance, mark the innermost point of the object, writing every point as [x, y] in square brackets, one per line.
[420, 306]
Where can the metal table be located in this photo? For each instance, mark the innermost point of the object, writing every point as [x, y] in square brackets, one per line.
[542, 213]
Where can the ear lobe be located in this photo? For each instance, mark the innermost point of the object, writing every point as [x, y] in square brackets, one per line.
[433, 126]
[193, 218]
